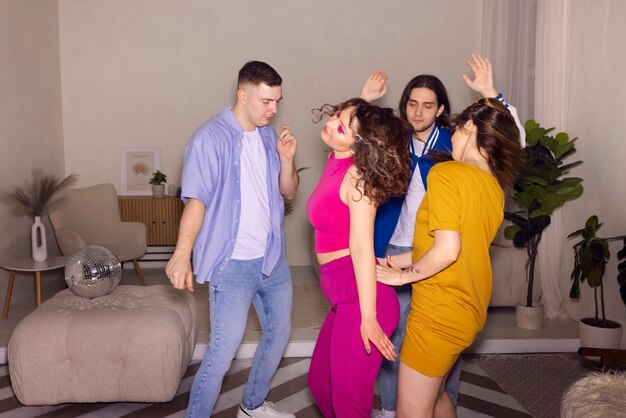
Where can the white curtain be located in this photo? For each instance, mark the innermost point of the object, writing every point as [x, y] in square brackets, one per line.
[551, 91]
[527, 42]
[508, 40]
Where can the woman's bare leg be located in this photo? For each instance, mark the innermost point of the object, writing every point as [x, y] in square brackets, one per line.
[417, 393]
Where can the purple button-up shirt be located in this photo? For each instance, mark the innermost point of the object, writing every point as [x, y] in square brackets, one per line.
[211, 174]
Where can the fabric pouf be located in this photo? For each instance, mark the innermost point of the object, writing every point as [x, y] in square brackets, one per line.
[133, 345]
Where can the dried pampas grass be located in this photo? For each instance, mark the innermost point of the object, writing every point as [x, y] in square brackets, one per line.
[33, 198]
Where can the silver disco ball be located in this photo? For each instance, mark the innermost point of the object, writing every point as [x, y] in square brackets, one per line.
[92, 272]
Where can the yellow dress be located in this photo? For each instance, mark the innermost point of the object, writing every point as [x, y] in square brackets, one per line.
[450, 308]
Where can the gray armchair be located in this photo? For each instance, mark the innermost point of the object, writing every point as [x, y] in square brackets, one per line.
[91, 216]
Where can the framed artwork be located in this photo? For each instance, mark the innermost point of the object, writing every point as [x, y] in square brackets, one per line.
[138, 164]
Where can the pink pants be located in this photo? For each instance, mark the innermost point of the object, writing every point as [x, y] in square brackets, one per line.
[342, 374]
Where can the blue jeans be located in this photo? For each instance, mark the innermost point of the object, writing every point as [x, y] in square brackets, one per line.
[230, 295]
[388, 374]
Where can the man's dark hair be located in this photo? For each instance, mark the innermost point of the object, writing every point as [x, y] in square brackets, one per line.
[432, 83]
[257, 72]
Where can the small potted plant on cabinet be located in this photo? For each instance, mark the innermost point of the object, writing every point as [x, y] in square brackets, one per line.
[591, 255]
[539, 191]
[158, 181]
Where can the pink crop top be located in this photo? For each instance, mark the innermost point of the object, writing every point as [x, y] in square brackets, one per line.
[327, 213]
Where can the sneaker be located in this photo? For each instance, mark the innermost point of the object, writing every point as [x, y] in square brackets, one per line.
[383, 413]
[267, 410]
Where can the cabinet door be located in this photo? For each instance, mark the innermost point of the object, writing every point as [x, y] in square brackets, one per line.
[161, 217]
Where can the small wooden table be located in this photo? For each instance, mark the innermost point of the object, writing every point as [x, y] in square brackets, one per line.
[28, 265]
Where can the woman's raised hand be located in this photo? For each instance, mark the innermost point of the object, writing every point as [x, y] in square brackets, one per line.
[375, 86]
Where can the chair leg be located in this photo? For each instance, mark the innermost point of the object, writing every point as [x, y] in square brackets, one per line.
[139, 273]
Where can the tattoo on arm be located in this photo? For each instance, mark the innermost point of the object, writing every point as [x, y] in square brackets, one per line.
[412, 270]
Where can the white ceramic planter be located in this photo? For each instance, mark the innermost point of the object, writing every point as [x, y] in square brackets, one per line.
[158, 190]
[529, 318]
[598, 337]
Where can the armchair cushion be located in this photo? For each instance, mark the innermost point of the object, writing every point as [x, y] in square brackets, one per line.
[69, 240]
[91, 216]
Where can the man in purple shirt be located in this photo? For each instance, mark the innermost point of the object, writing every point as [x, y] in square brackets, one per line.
[236, 172]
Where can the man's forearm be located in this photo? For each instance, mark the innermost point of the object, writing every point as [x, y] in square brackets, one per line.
[190, 224]
[288, 180]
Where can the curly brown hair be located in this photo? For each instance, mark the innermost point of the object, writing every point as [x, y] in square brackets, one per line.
[497, 137]
[380, 148]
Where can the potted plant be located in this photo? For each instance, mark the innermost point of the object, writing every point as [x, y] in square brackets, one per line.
[591, 255]
[34, 199]
[539, 191]
[157, 181]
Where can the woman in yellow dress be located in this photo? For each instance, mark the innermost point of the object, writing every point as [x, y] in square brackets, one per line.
[449, 265]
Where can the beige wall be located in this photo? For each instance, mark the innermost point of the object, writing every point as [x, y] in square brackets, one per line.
[31, 133]
[596, 117]
[143, 73]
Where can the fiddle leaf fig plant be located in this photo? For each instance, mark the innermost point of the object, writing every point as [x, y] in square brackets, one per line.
[591, 255]
[541, 189]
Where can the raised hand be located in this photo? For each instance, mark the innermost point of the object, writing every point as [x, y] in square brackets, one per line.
[287, 143]
[483, 76]
[375, 86]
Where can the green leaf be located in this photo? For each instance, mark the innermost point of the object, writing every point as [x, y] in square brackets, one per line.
[562, 138]
[511, 230]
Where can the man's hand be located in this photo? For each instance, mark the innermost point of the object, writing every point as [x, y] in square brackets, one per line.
[375, 86]
[287, 143]
[483, 76]
[178, 270]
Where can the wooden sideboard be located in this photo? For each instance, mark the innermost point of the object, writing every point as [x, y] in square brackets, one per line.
[161, 216]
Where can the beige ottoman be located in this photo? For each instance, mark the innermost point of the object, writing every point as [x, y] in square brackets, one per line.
[133, 345]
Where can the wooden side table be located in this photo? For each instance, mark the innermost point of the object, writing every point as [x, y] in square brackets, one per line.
[28, 265]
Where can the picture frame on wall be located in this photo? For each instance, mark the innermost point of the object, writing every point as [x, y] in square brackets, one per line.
[138, 164]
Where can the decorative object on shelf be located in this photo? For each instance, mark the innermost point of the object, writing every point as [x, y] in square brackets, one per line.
[92, 272]
[137, 163]
[157, 181]
[539, 191]
[591, 256]
[171, 190]
[33, 199]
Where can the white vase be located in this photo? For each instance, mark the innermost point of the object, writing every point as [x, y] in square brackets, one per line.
[38, 240]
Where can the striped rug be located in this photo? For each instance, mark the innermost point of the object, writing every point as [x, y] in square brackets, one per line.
[479, 396]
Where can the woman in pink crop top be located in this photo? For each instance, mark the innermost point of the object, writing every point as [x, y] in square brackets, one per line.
[368, 163]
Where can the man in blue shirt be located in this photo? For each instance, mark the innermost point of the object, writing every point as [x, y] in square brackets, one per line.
[236, 172]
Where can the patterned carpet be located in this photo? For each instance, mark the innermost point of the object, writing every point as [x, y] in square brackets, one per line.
[480, 396]
[537, 381]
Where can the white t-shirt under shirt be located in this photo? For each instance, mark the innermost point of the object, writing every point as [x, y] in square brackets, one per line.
[254, 222]
[405, 228]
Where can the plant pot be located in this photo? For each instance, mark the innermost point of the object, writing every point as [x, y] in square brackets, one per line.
[529, 317]
[158, 190]
[596, 336]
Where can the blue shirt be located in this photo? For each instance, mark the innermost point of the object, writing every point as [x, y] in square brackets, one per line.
[388, 213]
[440, 139]
[211, 174]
